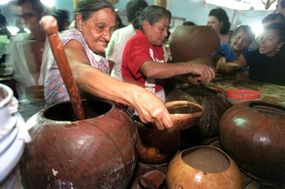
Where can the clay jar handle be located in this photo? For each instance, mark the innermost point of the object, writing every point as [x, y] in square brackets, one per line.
[268, 108]
[49, 25]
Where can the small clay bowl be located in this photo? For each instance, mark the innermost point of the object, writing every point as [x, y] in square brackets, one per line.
[229, 69]
[184, 113]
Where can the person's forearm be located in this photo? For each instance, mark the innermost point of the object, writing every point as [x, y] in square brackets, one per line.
[99, 84]
[165, 70]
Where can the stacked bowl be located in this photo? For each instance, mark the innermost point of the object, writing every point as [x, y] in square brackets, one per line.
[13, 136]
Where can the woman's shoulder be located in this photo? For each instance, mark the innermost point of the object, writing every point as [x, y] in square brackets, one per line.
[70, 34]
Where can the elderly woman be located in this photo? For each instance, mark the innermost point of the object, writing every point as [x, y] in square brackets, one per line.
[144, 58]
[219, 21]
[267, 63]
[84, 45]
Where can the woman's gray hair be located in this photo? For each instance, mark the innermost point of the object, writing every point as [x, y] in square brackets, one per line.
[87, 7]
[152, 14]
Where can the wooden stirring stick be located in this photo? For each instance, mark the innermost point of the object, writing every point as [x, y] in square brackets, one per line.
[49, 25]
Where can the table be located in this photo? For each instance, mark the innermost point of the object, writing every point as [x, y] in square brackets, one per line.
[269, 92]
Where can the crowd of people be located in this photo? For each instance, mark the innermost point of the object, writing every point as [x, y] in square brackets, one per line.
[128, 66]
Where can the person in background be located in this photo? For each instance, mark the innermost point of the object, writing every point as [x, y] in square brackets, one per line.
[219, 21]
[273, 18]
[120, 37]
[25, 55]
[85, 46]
[20, 25]
[4, 38]
[268, 19]
[267, 63]
[144, 60]
[62, 18]
[189, 23]
[240, 42]
[3, 26]
[280, 7]
[120, 23]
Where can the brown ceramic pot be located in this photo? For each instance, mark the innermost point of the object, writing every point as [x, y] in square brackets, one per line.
[183, 113]
[253, 133]
[213, 103]
[157, 146]
[203, 167]
[97, 152]
[189, 42]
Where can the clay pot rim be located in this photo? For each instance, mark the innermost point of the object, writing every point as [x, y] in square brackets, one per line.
[8, 95]
[42, 112]
[171, 103]
[210, 147]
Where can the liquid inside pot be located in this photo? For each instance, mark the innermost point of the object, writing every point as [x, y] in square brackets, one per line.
[208, 160]
[183, 109]
[64, 112]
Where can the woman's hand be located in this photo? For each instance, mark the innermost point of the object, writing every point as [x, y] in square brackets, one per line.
[201, 71]
[229, 68]
[151, 109]
[222, 61]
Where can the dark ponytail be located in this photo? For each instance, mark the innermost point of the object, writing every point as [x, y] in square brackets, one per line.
[152, 14]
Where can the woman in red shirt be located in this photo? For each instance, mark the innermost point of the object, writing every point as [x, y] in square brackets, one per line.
[143, 60]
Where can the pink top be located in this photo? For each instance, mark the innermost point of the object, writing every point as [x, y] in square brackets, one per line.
[55, 90]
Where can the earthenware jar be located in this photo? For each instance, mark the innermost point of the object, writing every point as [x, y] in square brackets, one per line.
[213, 103]
[203, 167]
[183, 113]
[157, 146]
[253, 133]
[96, 152]
[189, 42]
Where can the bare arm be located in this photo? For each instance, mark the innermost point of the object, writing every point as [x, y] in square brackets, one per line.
[149, 107]
[166, 70]
[230, 67]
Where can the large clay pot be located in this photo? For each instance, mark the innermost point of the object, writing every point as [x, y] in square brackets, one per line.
[253, 133]
[157, 146]
[203, 167]
[189, 42]
[97, 152]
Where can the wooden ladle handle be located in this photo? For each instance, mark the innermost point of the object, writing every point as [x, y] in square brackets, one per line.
[49, 25]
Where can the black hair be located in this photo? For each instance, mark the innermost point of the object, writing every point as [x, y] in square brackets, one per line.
[247, 30]
[37, 6]
[87, 7]
[134, 7]
[282, 3]
[62, 17]
[3, 26]
[120, 23]
[277, 17]
[152, 14]
[222, 16]
[189, 23]
[279, 28]
[3, 21]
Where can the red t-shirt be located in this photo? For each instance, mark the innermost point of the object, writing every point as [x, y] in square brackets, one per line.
[139, 50]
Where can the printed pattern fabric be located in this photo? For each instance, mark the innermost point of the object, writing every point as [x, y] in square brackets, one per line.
[55, 90]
